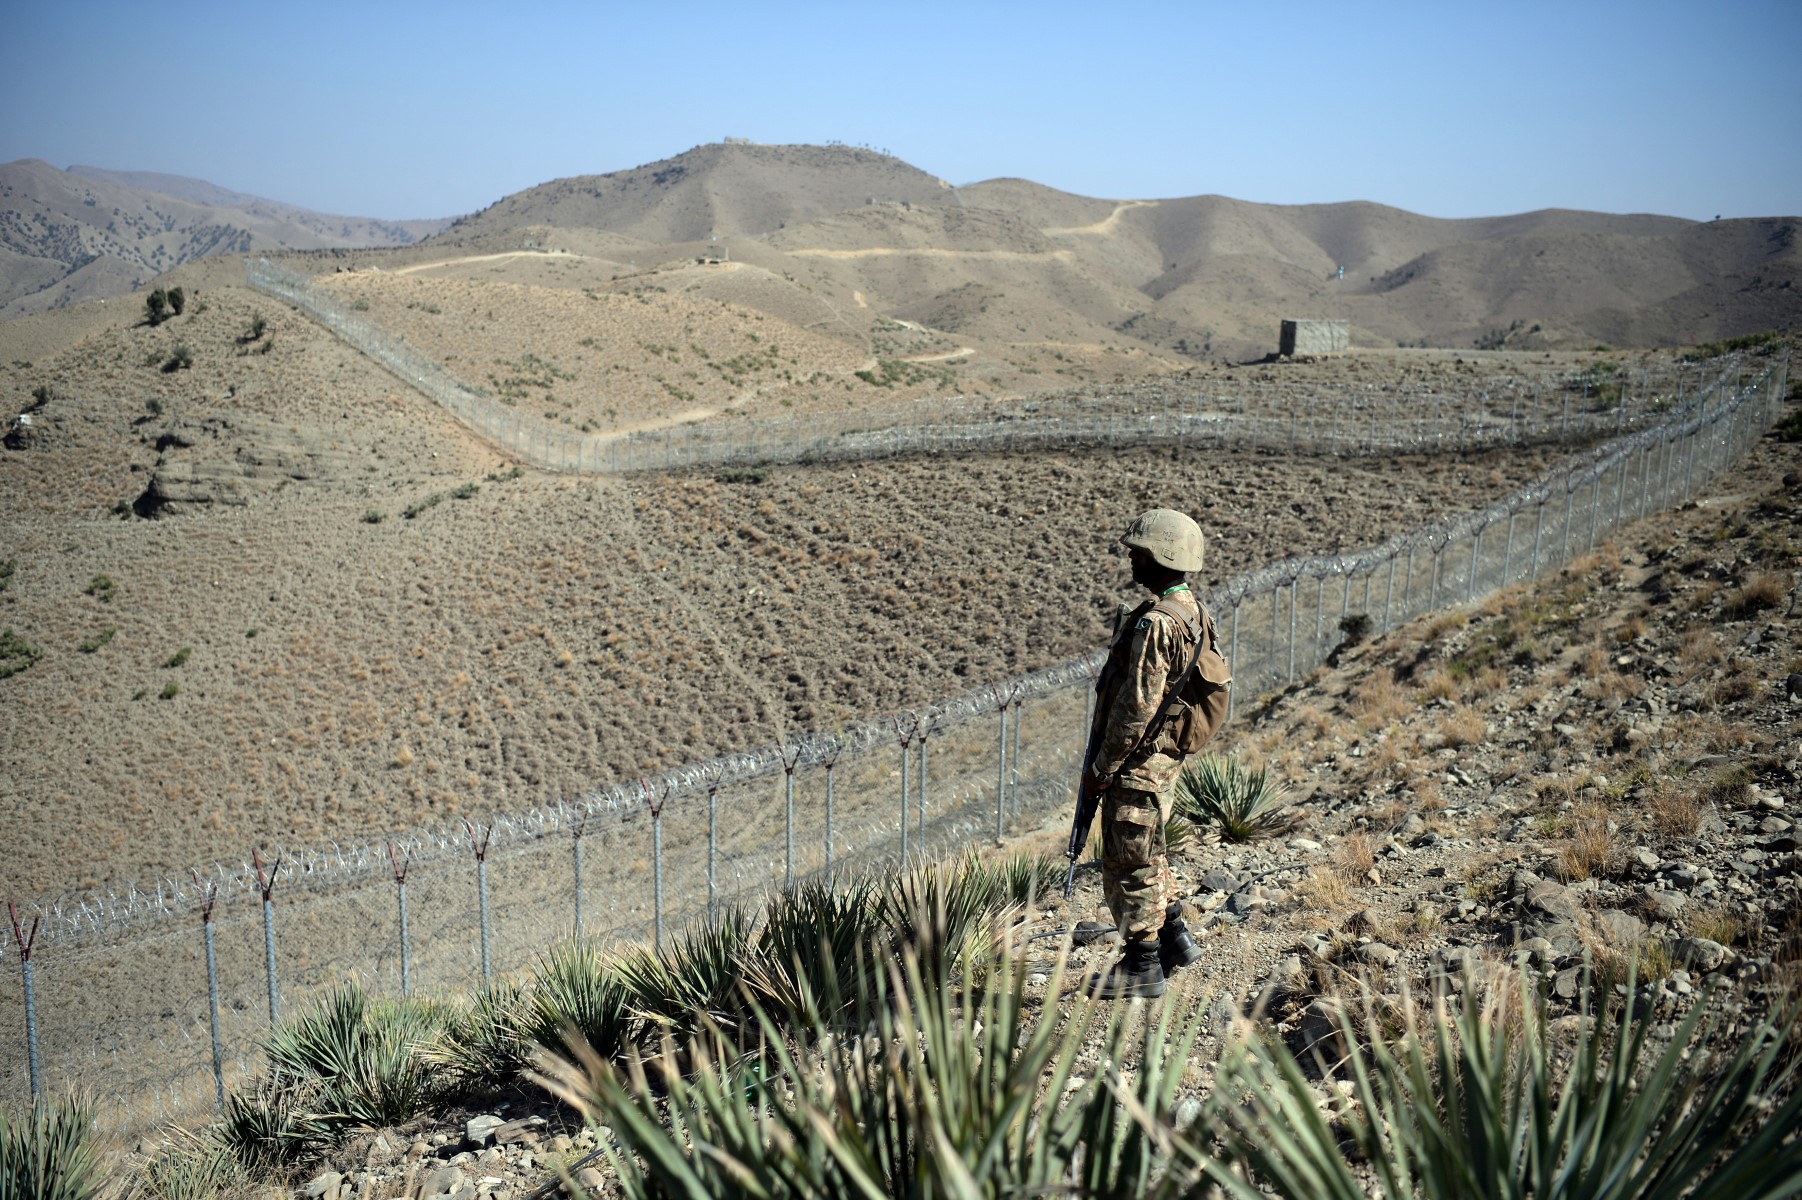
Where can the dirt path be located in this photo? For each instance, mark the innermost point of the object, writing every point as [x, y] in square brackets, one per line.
[1107, 225]
[960, 352]
[932, 252]
[469, 258]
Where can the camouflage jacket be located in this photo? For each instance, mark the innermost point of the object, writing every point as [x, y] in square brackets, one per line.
[1150, 651]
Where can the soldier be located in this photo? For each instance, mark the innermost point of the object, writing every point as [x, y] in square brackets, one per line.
[1167, 645]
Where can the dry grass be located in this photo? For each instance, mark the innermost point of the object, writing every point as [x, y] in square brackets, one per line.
[1675, 812]
[1442, 686]
[1463, 727]
[1763, 591]
[1354, 858]
[1633, 627]
[1716, 922]
[1443, 624]
[1380, 700]
[1588, 851]
[1324, 888]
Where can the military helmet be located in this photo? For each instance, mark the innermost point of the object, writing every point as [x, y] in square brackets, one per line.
[1170, 537]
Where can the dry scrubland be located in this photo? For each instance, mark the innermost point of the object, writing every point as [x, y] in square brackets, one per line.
[350, 669]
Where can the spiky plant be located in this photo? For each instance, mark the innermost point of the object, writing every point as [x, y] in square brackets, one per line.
[697, 977]
[47, 1152]
[365, 1054]
[1217, 789]
[943, 1095]
[487, 1041]
[1466, 1101]
[195, 1166]
[273, 1125]
[808, 947]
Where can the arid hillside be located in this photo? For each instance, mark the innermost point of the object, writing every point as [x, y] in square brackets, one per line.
[86, 232]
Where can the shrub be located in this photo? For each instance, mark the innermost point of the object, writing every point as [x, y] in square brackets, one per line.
[178, 300]
[364, 1056]
[1477, 1098]
[156, 307]
[16, 654]
[180, 359]
[273, 1126]
[89, 645]
[1763, 591]
[47, 1153]
[179, 658]
[259, 325]
[170, 691]
[7, 567]
[1217, 789]
[465, 491]
[952, 1093]
[194, 1167]
[101, 587]
[372, 516]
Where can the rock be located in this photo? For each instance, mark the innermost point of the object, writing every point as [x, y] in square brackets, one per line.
[590, 1180]
[1665, 905]
[1219, 881]
[1771, 802]
[466, 1192]
[1792, 686]
[1188, 1111]
[324, 1184]
[1319, 1034]
[1569, 733]
[1554, 900]
[1379, 955]
[525, 1129]
[443, 1180]
[1537, 949]
[1089, 932]
[1646, 859]
[1701, 953]
[417, 1151]
[1566, 983]
[1304, 845]
[1317, 946]
[478, 1130]
[560, 1144]
[1772, 826]
[1620, 929]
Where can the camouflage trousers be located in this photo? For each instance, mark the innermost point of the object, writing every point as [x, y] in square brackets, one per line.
[1134, 871]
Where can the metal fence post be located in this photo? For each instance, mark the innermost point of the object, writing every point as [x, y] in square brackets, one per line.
[1001, 773]
[713, 837]
[1538, 528]
[904, 737]
[406, 944]
[266, 884]
[655, 804]
[1570, 487]
[828, 764]
[920, 783]
[1230, 692]
[788, 810]
[480, 847]
[1013, 771]
[1291, 672]
[208, 894]
[25, 940]
[1508, 546]
[1470, 584]
[1319, 609]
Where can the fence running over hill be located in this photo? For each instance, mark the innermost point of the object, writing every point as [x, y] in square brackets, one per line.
[155, 999]
[1510, 411]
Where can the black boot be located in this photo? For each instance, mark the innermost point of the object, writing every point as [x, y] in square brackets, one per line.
[1137, 976]
[1176, 949]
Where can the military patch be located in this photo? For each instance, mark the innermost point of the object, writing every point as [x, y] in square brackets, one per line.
[1144, 623]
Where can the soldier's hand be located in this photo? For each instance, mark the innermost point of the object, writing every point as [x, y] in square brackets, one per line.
[1096, 782]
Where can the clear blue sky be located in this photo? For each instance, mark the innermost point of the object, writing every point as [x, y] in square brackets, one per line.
[1451, 109]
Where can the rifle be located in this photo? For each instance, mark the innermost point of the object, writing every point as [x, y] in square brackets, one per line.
[1087, 798]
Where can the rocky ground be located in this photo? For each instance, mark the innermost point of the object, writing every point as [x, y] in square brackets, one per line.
[1599, 768]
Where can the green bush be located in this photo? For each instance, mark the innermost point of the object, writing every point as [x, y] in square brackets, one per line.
[16, 654]
[170, 691]
[90, 645]
[156, 307]
[195, 1167]
[102, 587]
[179, 658]
[47, 1152]
[363, 1056]
[178, 300]
[1216, 789]
[180, 359]
[7, 567]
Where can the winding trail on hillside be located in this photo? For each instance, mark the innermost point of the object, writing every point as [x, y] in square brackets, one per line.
[1108, 224]
[469, 258]
[930, 252]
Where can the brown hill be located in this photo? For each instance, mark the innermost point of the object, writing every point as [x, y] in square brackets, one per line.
[728, 189]
[86, 232]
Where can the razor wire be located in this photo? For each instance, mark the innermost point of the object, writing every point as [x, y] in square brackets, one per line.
[1251, 414]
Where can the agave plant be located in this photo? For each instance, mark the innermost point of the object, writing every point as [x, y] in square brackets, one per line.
[1464, 1102]
[697, 977]
[195, 1166]
[1216, 789]
[47, 1152]
[366, 1055]
[274, 1125]
[808, 948]
[941, 1095]
[487, 1040]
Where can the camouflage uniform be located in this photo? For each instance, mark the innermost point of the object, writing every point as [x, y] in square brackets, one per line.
[1151, 651]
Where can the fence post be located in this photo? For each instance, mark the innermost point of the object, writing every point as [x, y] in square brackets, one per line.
[1433, 587]
[1538, 528]
[828, 764]
[920, 781]
[1275, 612]
[1013, 771]
[208, 894]
[904, 737]
[1319, 609]
[1388, 590]
[788, 810]
[1292, 586]
[1570, 488]
[1470, 584]
[406, 943]
[25, 940]
[1508, 546]
[656, 807]
[713, 837]
[1595, 499]
[266, 884]
[480, 847]
[1001, 769]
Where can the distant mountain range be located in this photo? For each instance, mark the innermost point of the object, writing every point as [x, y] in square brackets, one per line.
[1006, 260]
[86, 232]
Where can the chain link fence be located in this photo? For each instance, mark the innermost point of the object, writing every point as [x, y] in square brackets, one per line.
[1256, 414]
[155, 999]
